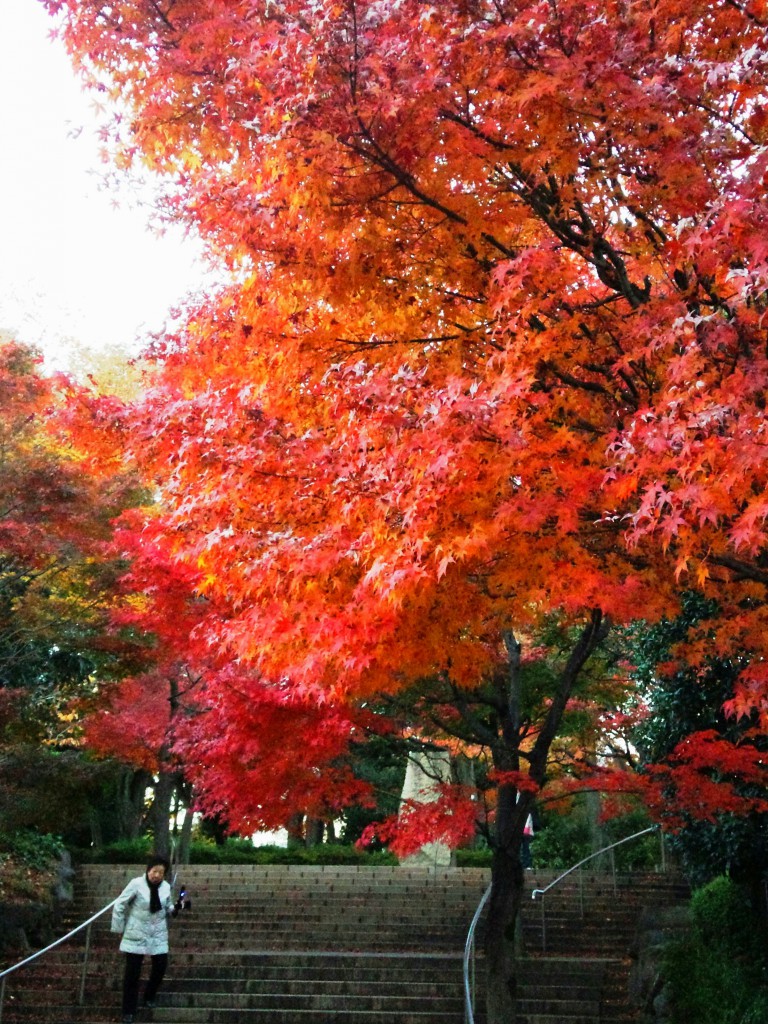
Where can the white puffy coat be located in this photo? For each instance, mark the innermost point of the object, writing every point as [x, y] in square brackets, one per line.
[142, 931]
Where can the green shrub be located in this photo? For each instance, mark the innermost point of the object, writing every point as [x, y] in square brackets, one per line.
[124, 851]
[236, 851]
[474, 858]
[241, 851]
[717, 975]
[562, 841]
[35, 849]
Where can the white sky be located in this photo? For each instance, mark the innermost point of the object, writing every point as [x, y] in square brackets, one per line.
[73, 264]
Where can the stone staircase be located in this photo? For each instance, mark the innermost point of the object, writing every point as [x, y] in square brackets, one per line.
[344, 945]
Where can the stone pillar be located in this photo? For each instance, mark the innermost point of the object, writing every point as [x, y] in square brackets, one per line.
[425, 772]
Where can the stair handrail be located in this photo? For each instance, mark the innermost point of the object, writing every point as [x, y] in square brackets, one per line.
[41, 952]
[468, 964]
[598, 853]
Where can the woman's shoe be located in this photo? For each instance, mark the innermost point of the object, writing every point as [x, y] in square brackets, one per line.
[150, 1004]
[127, 1018]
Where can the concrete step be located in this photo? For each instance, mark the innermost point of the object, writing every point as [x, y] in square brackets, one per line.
[321, 946]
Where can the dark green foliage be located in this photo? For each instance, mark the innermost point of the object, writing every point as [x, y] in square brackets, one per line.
[122, 851]
[564, 839]
[62, 792]
[381, 761]
[480, 858]
[718, 974]
[236, 851]
[34, 849]
[683, 702]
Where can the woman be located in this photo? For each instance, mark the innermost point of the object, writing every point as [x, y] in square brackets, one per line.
[141, 914]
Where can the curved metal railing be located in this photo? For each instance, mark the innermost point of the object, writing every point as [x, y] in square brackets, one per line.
[41, 952]
[469, 961]
[469, 946]
[599, 853]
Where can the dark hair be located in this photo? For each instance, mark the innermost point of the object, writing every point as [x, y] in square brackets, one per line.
[155, 859]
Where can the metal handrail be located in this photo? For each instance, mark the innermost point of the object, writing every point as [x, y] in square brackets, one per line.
[469, 960]
[22, 963]
[469, 946]
[606, 849]
[599, 853]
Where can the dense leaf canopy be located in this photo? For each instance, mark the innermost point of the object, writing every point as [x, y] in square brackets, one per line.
[497, 343]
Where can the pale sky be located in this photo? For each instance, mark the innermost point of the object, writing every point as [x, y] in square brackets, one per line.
[76, 261]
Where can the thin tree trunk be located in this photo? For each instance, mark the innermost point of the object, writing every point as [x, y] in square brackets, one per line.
[134, 791]
[185, 839]
[160, 814]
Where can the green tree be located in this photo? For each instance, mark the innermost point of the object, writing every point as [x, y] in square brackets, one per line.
[685, 699]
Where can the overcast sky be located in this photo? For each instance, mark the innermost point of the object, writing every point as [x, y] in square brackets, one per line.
[73, 264]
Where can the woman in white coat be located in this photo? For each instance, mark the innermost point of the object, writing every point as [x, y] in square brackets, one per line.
[141, 915]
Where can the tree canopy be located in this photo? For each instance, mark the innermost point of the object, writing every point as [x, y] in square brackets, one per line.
[494, 349]
[496, 345]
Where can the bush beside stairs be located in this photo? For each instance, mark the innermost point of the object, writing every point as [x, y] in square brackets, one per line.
[344, 945]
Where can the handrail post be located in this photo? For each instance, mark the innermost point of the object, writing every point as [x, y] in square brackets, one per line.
[663, 852]
[2, 997]
[581, 891]
[543, 928]
[613, 867]
[81, 994]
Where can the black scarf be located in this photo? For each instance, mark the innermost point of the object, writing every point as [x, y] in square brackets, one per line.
[154, 896]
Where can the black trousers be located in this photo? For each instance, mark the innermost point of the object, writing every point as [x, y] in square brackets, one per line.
[133, 962]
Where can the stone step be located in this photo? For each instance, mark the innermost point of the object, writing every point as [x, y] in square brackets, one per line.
[283, 944]
[85, 1015]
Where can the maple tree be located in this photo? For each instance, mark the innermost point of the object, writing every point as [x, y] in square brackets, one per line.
[56, 579]
[54, 524]
[495, 347]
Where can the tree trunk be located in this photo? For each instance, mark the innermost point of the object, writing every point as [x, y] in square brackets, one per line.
[295, 830]
[313, 831]
[185, 839]
[132, 801]
[513, 807]
[501, 938]
[97, 834]
[596, 831]
[160, 814]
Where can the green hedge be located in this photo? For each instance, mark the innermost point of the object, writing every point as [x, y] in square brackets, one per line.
[718, 975]
[34, 849]
[235, 851]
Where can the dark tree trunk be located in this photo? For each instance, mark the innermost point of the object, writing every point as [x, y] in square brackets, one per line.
[295, 830]
[501, 940]
[160, 814]
[513, 807]
[133, 802]
[185, 838]
[313, 832]
[182, 836]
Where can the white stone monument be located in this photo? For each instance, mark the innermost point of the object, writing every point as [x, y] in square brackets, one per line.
[426, 771]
